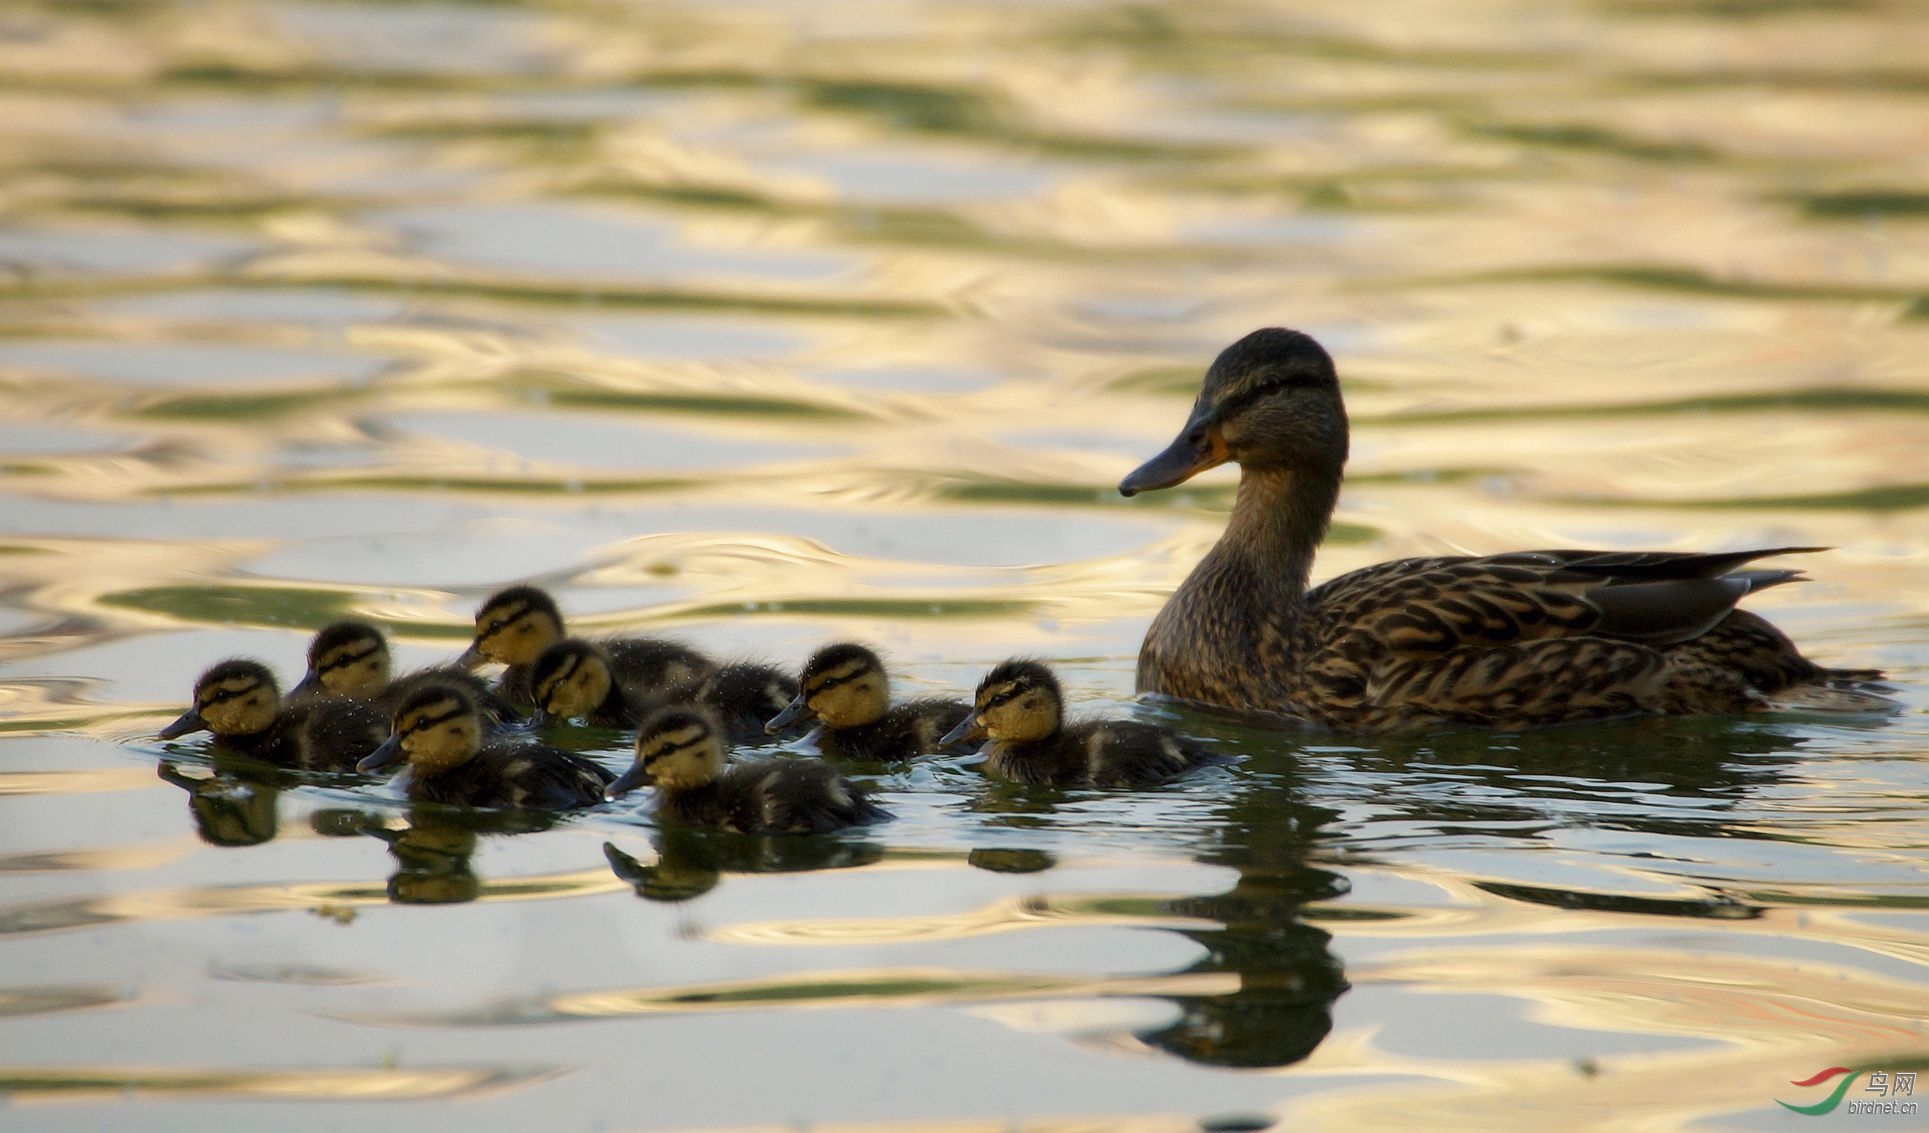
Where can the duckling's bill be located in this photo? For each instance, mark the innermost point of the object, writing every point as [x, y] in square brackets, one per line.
[636, 776]
[390, 752]
[795, 712]
[187, 723]
[969, 730]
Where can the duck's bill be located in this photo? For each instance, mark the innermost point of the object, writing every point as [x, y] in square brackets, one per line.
[1193, 452]
[796, 712]
[309, 684]
[389, 752]
[472, 657]
[187, 723]
[968, 730]
[626, 782]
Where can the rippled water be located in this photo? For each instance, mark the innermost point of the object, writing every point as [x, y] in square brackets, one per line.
[777, 323]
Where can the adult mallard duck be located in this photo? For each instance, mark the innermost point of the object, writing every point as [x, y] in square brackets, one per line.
[1511, 640]
[1020, 708]
[845, 688]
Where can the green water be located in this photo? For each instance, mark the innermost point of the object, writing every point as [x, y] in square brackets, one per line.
[772, 324]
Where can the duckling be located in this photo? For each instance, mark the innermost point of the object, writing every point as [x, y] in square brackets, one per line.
[515, 625]
[1020, 707]
[1511, 640]
[576, 678]
[844, 686]
[438, 730]
[744, 694]
[240, 702]
[680, 750]
[351, 659]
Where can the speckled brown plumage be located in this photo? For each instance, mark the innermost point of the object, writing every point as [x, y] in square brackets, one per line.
[1511, 640]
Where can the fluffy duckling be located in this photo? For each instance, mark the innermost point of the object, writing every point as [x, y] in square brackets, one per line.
[744, 694]
[439, 730]
[1020, 707]
[240, 702]
[680, 750]
[351, 659]
[514, 626]
[845, 688]
[575, 678]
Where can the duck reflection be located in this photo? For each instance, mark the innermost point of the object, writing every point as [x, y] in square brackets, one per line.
[691, 862]
[432, 845]
[229, 809]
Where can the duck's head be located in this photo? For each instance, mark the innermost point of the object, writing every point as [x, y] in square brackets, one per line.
[234, 698]
[570, 678]
[844, 685]
[513, 626]
[1271, 401]
[348, 658]
[679, 748]
[436, 729]
[1017, 702]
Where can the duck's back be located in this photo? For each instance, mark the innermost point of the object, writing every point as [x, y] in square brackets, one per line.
[524, 776]
[909, 729]
[780, 796]
[496, 707]
[657, 668]
[332, 733]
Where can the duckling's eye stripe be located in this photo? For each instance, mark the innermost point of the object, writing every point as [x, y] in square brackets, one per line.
[1004, 697]
[833, 682]
[223, 695]
[341, 659]
[421, 722]
[672, 749]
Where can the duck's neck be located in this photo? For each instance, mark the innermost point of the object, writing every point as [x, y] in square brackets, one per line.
[1278, 518]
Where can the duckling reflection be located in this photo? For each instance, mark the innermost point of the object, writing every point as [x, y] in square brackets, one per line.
[514, 626]
[845, 688]
[240, 702]
[433, 852]
[1020, 708]
[351, 659]
[691, 862]
[228, 809]
[680, 751]
[438, 731]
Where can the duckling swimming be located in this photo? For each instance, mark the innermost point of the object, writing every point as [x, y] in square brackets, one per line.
[1511, 640]
[576, 678]
[438, 729]
[1020, 707]
[743, 694]
[240, 702]
[680, 750]
[351, 659]
[845, 687]
[514, 626]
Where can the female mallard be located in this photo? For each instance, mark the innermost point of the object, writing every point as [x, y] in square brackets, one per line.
[241, 704]
[680, 750]
[845, 687]
[1511, 640]
[438, 729]
[514, 626]
[1021, 709]
[351, 659]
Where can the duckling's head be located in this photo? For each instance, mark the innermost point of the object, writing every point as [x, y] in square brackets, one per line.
[349, 658]
[570, 678]
[513, 626]
[1017, 702]
[1271, 401]
[678, 748]
[438, 728]
[234, 698]
[844, 685]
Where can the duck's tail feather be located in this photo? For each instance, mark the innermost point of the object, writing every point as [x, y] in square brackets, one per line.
[1849, 696]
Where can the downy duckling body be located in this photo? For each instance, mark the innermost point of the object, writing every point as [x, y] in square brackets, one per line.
[845, 688]
[514, 626]
[240, 702]
[351, 659]
[744, 694]
[1510, 640]
[439, 731]
[1020, 708]
[680, 750]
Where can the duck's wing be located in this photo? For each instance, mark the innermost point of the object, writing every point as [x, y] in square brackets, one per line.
[538, 777]
[1431, 606]
[802, 796]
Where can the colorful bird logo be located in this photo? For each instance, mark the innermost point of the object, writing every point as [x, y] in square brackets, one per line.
[1828, 1103]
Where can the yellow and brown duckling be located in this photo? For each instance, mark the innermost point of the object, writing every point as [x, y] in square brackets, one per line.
[845, 689]
[680, 750]
[1020, 708]
[439, 731]
[1510, 640]
[351, 658]
[514, 626]
[240, 702]
[577, 679]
